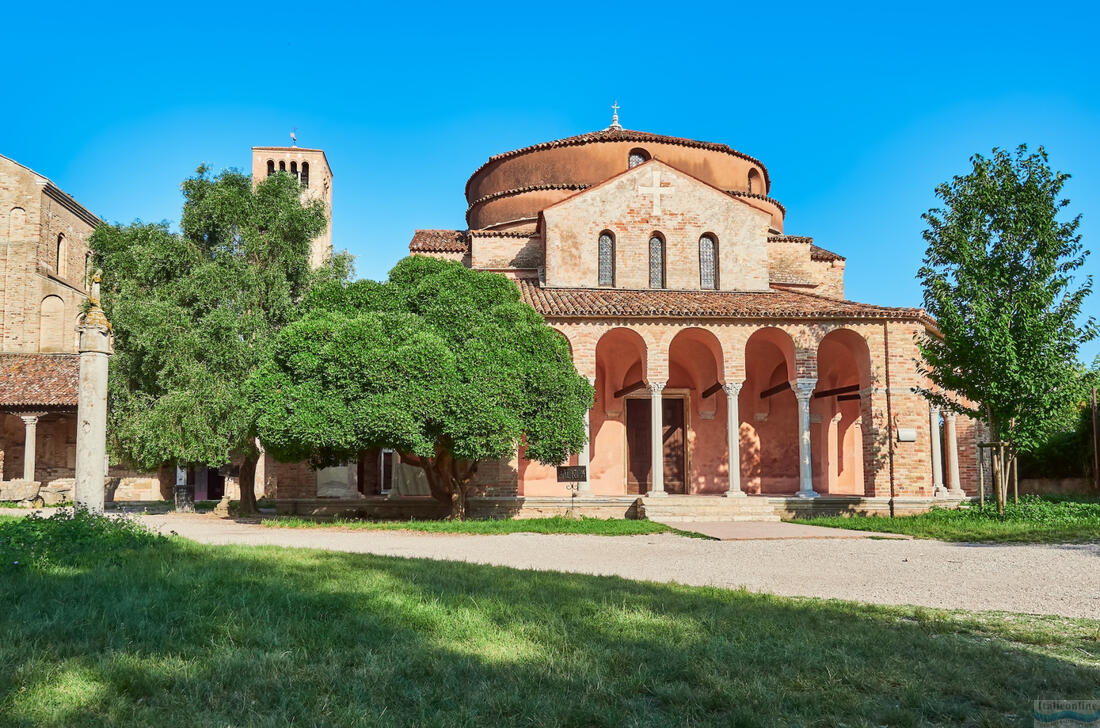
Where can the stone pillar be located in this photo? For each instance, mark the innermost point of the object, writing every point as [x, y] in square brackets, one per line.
[30, 436]
[804, 388]
[91, 414]
[733, 438]
[656, 441]
[953, 483]
[584, 457]
[937, 460]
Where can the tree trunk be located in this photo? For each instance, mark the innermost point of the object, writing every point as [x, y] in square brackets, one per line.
[448, 479]
[247, 481]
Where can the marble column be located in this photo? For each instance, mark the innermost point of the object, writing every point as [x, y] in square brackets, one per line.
[733, 438]
[804, 388]
[30, 436]
[937, 455]
[91, 413]
[584, 458]
[656, 441]
[954, 486]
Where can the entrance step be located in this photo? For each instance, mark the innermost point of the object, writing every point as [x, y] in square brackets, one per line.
[694, 508]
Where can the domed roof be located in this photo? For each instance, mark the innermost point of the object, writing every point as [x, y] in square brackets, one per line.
[512, 187]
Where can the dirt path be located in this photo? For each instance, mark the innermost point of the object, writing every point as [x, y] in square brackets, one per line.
[1033, 578]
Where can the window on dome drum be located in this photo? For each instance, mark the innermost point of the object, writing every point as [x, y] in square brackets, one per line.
[607, 259]
[756, 184]
[270, 167]
[708, 269]
[637, 156]
[656, 262]
[305, 174]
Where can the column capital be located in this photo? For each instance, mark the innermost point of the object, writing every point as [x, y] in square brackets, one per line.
[733, 389]
[31, 418]
[656, 387]
[804, 387]
[949, 415]
[935, 408]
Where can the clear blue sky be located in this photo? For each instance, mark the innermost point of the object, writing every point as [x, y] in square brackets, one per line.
[858, 112]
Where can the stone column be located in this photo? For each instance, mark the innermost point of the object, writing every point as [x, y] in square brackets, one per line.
[937, 460]
[733, 438]
[30, 436]
[656, 441]
[91, 414]
[804, 388]
[584, 457]
[953, 483]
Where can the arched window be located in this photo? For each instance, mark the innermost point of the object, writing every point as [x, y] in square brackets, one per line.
[294, 169]
[282, 166]
[16, 218]
[51, 324]
[59, 256]
[656, 261]
[305, 174]
[708, 266]
[270, 167]
[637, 156]
[756, 183]
[607, 259]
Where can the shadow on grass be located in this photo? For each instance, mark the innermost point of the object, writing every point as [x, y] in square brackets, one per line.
[179, 634]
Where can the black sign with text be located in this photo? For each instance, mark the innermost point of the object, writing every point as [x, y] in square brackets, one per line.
[571, 473]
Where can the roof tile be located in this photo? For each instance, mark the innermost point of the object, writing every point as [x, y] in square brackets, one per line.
[39, 380]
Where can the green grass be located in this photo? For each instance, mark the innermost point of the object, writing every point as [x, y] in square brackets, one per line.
[1048, 519]
[113, 626]
[556, 524]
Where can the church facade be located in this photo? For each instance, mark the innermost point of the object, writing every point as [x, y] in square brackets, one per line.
[725, 357]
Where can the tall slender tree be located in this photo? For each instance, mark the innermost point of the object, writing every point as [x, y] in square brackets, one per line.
[195, 312]
[1000, 277]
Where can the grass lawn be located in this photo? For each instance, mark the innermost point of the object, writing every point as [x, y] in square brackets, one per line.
[1048, 519]
[124, 628]
[556, 524]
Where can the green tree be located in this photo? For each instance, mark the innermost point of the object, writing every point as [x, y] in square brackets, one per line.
[444, 365]
[194, 314]
[999, 277]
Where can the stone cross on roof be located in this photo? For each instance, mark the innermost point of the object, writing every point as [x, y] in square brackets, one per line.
[656, 190]
[615, 116]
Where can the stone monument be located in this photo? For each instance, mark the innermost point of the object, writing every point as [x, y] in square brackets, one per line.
[91, 417]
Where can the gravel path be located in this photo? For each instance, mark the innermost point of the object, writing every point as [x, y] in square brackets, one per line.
[1031, 578]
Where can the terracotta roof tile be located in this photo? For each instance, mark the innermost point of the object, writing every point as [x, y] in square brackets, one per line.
[818, 253]
[774, 303]
[613, 134]
[39, 380]
[439, 241]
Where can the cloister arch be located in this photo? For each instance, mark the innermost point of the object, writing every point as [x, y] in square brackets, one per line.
[769, 414]
[622, 370]
[695, 374]
[843, 385]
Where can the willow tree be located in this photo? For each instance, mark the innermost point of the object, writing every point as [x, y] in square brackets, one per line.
[445, 365]
[195, 313]
[999, 276]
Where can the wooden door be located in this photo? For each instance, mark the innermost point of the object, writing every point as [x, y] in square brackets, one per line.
[638, 458]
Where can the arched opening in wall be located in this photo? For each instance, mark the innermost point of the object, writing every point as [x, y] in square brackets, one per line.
[619, 422]
[636, 157]
[656, 261]
[16, 219]
[694, 422]
[708, 262]
[270, 167]
[305, 174]
[282, 166]
[51, 324]
[606, 262]
[756, 182]
[59, 256]
[838, 406]
[294, 169]
[769, 414]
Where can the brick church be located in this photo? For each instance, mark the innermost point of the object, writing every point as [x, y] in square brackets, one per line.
[725, 357]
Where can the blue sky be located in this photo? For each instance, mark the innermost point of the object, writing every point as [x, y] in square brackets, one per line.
[858, 111]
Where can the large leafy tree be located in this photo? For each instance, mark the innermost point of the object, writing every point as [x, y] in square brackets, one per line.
[445, 365]
[195, 312]
[999, 276]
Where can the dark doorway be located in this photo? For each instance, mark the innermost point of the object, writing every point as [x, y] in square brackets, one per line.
[215, 484]
[638, 480]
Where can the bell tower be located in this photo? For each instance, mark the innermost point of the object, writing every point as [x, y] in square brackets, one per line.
[310, 168]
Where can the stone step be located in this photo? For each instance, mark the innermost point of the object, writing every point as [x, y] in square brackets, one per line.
[685, 509]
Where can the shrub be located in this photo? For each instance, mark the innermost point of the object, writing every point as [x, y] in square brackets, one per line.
[72, 538]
